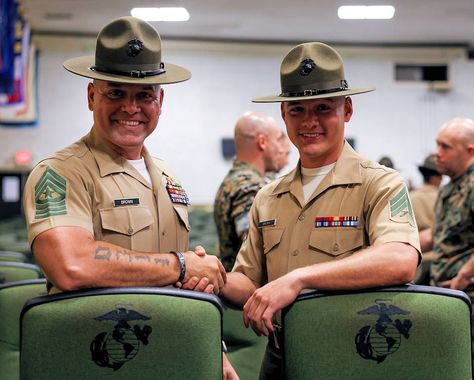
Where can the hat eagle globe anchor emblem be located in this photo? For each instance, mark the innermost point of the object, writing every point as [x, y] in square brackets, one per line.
[135, 46]
[307, 65]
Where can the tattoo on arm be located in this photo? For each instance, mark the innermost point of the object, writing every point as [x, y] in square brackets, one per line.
[105, 253]
[162, 261]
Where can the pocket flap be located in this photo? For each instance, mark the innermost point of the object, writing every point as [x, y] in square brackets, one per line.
[271, 237]
[126, 220]
[336, 242]
[182, 212]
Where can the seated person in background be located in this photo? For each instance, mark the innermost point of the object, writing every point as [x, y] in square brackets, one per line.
[452, 235]
[337, 221]
[103, 212]
[423, 200]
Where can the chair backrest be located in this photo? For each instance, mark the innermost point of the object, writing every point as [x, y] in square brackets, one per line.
[122, 333]
[13, 296]
[14, 271]
[19, 257]
[406, 332]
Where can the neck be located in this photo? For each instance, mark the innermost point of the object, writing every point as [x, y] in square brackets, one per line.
[255, 161]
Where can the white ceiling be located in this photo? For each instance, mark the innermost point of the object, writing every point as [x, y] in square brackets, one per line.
[416, 22]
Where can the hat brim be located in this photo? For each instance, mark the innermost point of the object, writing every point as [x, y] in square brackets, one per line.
[280, 98]
[424, 169]
[82, 66]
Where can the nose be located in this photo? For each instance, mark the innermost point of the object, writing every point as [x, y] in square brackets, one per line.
[310, 120]
[130, 105]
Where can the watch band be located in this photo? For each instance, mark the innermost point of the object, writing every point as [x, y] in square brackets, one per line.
[182, 265]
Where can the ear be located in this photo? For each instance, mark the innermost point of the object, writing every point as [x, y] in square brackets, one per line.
[162, 95]
[261, 141]
[90, 96]
[282, 110]
[347, 109]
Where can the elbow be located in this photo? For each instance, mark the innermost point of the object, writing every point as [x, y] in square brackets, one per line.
[70, 278]
[407, 264]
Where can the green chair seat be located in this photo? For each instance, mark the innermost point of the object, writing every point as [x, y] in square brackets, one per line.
[245, 349]
[14, 271]
[122, 333]
[13, 296]
[12, 256]
[406, 332]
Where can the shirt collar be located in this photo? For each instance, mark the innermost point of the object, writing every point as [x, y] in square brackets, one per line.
[346, 171]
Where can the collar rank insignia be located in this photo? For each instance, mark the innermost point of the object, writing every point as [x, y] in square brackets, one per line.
[176, 192]
[336, 221]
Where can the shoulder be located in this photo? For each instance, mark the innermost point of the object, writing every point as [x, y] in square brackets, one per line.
[65, 162]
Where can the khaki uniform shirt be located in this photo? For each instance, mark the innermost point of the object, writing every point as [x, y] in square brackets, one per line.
[359, 203]
[423, 200]
[88, 185]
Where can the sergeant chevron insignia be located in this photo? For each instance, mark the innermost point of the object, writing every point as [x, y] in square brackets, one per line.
[50, 195]
[400, 208]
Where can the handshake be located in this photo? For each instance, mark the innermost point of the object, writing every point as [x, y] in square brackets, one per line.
[200, 272]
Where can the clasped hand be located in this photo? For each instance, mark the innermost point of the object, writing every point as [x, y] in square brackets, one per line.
[204, 273]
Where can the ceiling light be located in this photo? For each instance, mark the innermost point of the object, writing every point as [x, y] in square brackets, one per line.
[161, 14]
[372, 12]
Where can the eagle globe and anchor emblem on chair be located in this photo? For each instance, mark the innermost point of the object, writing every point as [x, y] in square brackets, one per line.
[114, 348]
[383, 338]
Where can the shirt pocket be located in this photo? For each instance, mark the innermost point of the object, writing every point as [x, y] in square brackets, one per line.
[183, 216]
[120, 225]
[271, 238]
[336, 241]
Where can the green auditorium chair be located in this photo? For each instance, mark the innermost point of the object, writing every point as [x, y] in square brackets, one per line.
[407, 332]
[244, 348]
[11, 256]
[122, 333]
[14, 271]
[13, 296]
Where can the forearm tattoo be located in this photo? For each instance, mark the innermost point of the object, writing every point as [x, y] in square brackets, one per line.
[109, 254]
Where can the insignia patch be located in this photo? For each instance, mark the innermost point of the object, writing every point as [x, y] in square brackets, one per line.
[114, 348]
[135, 46]
[266, 223]
[126, 202]
[336, 221]
[384, 337]
[176, 191]
[307, 65]
[400, 207]
[50, 195]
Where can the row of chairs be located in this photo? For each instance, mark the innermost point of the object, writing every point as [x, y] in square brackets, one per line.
[413, 331]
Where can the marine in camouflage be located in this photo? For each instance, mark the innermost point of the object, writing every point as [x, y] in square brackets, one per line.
[453, 230]
[231, 208]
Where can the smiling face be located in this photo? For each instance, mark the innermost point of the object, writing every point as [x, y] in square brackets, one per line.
[125, 115]
[316, 128]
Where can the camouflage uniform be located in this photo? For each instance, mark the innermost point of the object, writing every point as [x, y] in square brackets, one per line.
[453, 230]
[231, 208]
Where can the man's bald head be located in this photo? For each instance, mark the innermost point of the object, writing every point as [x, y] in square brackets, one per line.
[455, 152]
[256, 137]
